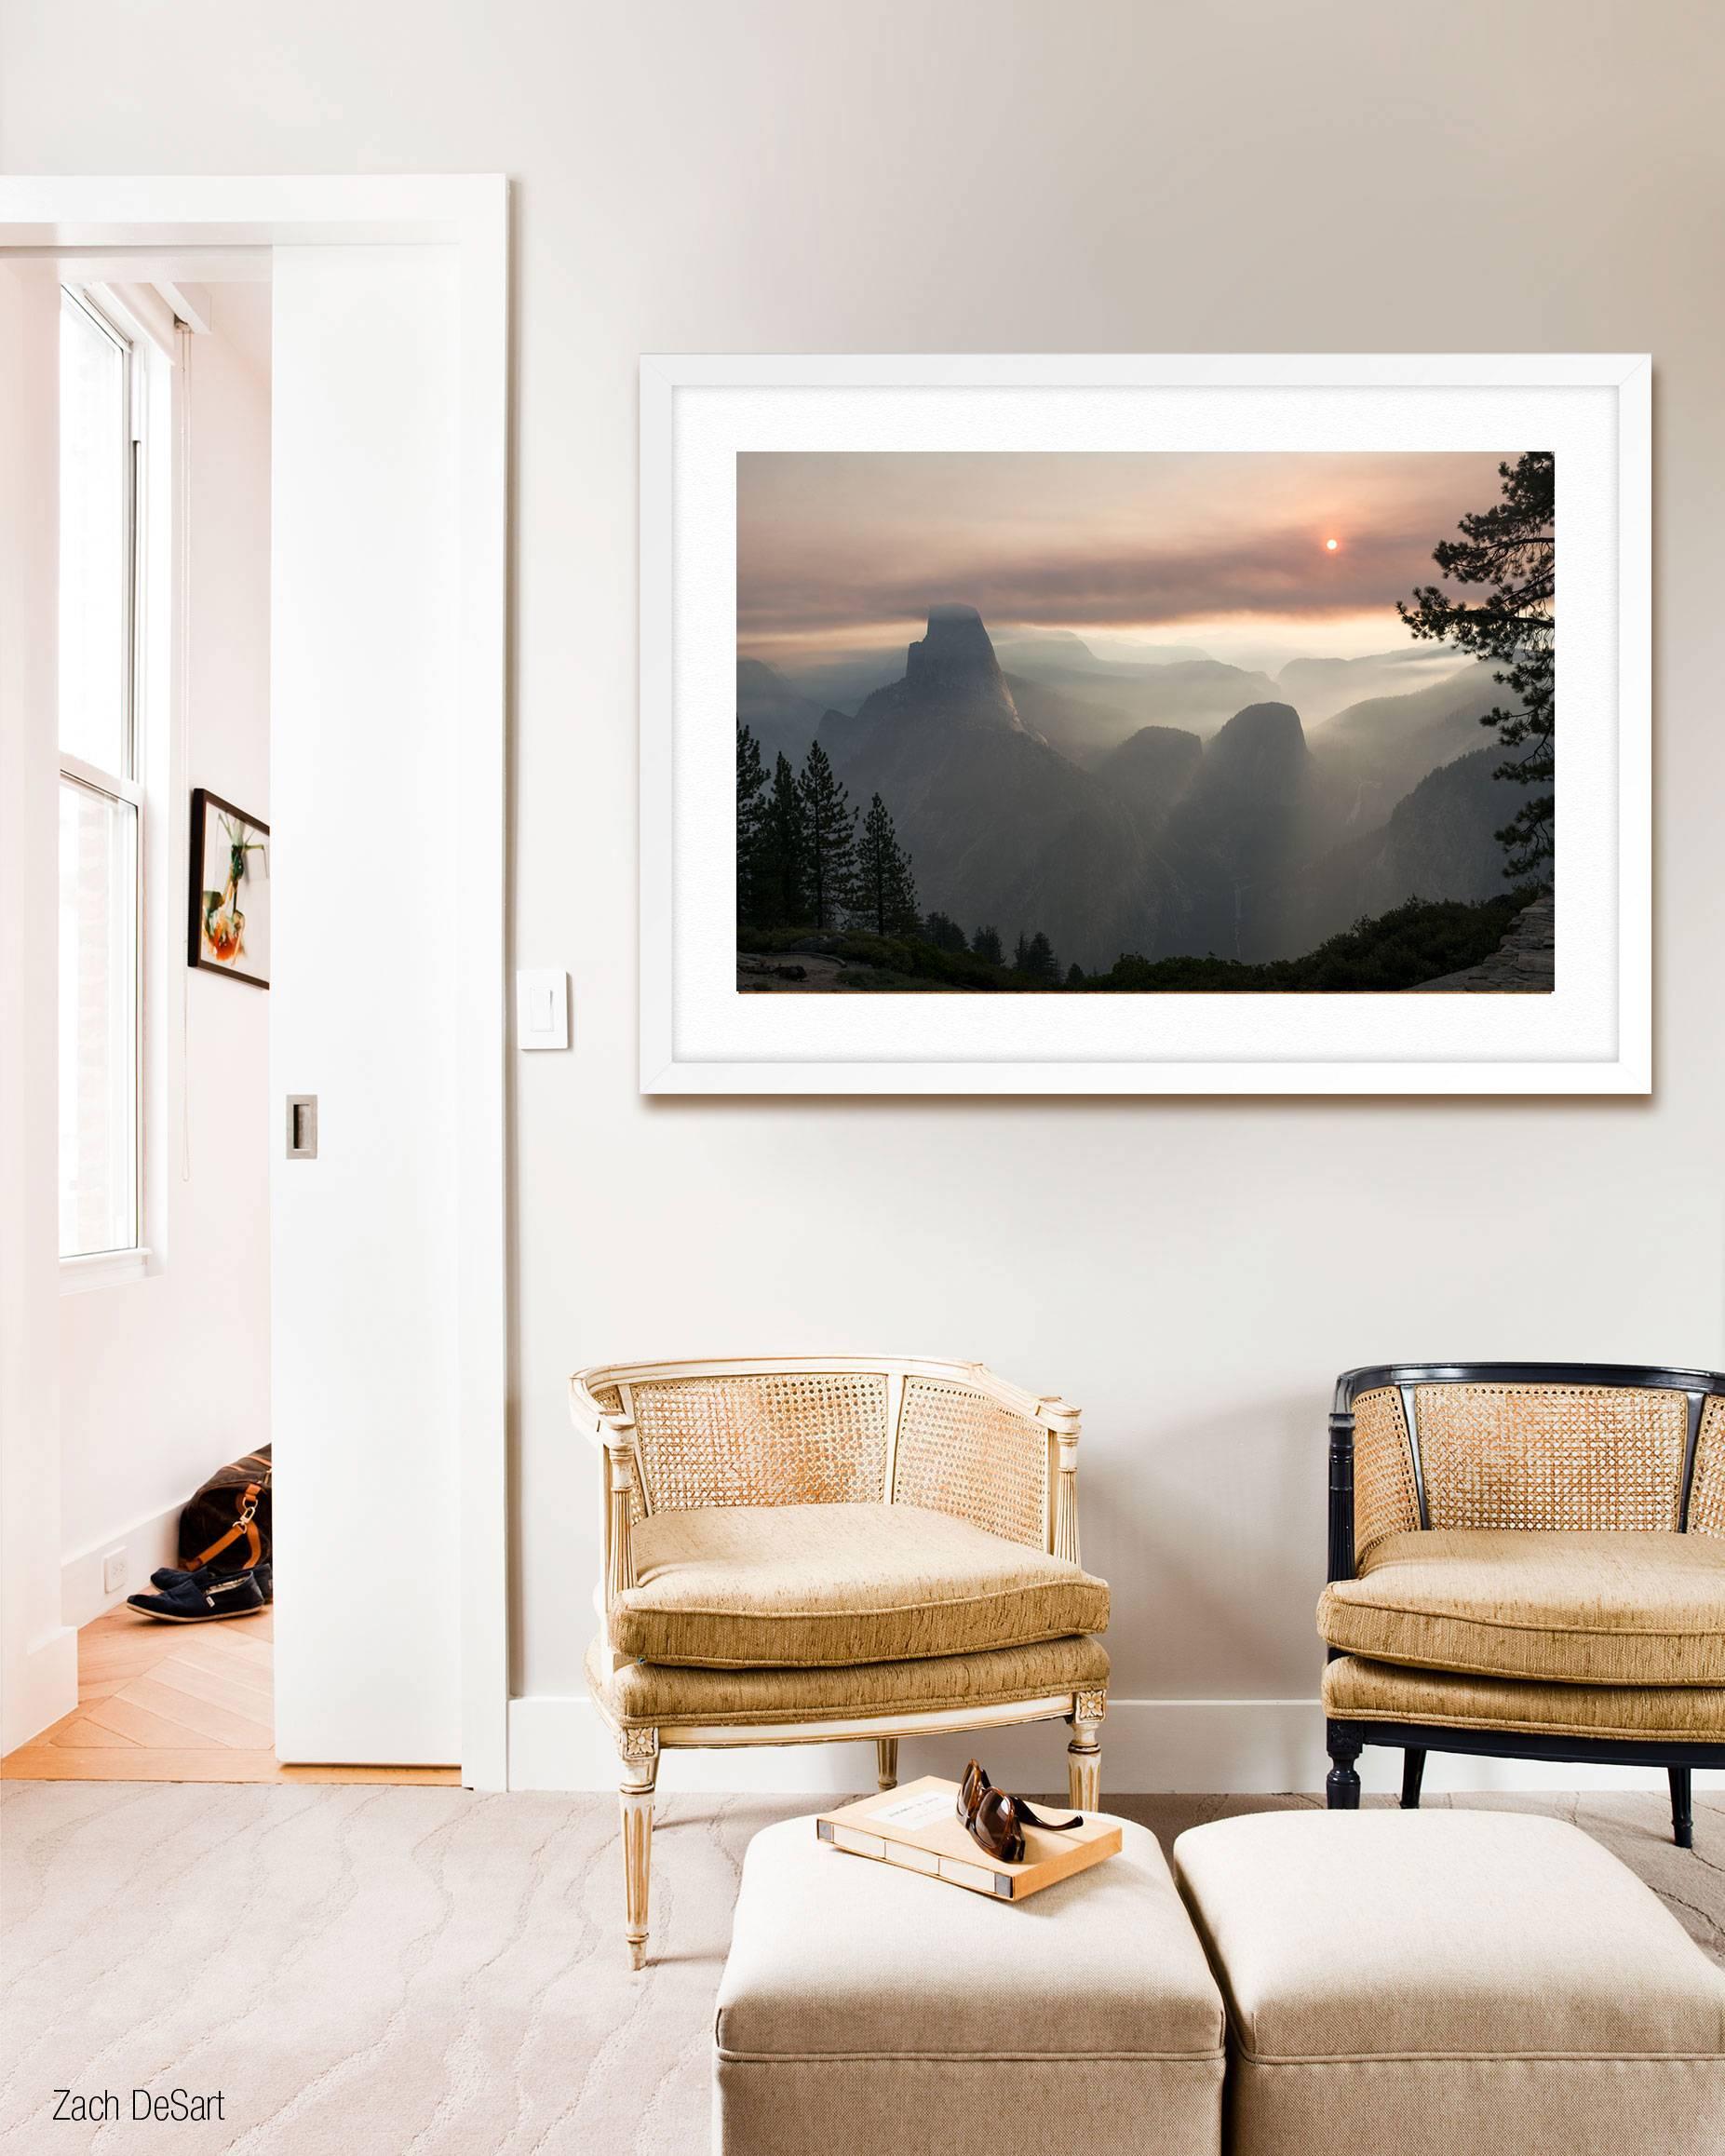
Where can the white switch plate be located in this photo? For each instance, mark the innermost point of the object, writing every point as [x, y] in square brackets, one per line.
[541, 1009]
[114, 1571]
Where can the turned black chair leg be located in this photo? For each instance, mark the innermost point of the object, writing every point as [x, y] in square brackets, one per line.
[1341, 1788]
[1683, 1815]
[1413, 1773]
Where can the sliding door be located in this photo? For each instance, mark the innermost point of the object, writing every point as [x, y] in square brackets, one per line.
[366, 659]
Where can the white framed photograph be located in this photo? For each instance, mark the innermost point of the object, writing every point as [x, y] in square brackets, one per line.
[1108, 725]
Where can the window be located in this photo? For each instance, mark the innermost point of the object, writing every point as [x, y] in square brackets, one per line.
[100, 797]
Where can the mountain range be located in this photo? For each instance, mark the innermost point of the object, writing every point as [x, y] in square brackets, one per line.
[1321, 687]
[781, 720]
[1167, 808]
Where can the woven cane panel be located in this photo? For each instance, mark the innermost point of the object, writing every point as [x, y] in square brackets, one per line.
[768, 1440]
[1706, 1497]
[1564, 1457]
[1385, 1502]
[960, 1453]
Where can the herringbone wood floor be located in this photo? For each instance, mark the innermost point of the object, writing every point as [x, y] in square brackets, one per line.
[178, 1703]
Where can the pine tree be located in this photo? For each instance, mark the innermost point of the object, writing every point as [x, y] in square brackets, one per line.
[1021, 954]
[985, 945]
[783, 900]
[1075, 975]
[750, 822]
[1039, 960]
[885, 889]
[830, 838]
[944, 933]
[1511, 546]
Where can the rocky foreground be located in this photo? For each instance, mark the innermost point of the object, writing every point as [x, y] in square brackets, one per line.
[1524, 963]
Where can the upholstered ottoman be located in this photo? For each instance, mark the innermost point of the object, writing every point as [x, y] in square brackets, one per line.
[1453, 1984]
[867, 2010]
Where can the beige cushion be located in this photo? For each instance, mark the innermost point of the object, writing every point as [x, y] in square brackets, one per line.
[1361, 1691]
[665, 1694]
[867, 2010]
[737, 1586]
[1578, 1609]
[1434, 1983]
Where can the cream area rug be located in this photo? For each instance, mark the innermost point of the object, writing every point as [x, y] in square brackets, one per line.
[430, 1973]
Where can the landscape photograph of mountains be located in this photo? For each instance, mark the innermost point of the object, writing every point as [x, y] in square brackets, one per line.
[1145, 722]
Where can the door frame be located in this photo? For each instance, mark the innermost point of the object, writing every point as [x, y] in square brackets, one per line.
[53, 215]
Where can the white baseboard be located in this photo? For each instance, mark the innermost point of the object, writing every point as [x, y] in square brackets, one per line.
[147, 1542]
[1173, 1746]
[39, 1688]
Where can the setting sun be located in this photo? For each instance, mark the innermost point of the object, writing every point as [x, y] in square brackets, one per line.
[1331, 544]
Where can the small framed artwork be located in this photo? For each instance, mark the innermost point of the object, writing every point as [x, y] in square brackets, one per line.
[229, 926]
[1146, 725]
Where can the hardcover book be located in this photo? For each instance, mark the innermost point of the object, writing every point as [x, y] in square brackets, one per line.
[917, 1828]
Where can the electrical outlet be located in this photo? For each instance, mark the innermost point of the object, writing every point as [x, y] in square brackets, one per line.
[114, 1571]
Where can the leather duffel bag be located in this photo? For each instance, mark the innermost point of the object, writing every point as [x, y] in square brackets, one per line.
[227, 1524]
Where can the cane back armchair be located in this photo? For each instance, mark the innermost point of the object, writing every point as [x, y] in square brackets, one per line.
[1527, 1560]
[808, 1549]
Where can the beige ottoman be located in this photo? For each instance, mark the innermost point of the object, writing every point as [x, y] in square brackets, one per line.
[1453, 1984]
[867, 2010]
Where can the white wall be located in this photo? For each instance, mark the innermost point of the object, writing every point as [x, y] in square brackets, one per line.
[778, 176]
[164, 1379]
[38, 1656]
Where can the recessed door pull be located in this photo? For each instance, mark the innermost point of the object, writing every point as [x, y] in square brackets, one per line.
[301, 1126]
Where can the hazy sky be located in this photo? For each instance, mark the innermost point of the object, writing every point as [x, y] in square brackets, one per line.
[840, 551]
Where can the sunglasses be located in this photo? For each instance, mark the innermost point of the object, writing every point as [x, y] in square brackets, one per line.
[995, 1822]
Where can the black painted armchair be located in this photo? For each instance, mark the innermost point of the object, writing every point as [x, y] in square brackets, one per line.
[1527, 1560]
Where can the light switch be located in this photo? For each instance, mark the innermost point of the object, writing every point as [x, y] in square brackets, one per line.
[541, 1009]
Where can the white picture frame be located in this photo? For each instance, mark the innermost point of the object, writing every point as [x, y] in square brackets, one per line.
[1592, 1035]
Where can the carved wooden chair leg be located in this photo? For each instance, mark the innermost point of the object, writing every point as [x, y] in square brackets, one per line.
[886, 1763]
[639, 1750]
[1084, 1754]
[1341, 1790]
[1413, 1775]
[1683, 1811]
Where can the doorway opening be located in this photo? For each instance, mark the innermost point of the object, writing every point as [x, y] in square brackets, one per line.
[275, 612]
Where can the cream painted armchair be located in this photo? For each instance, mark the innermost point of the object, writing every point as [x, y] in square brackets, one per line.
[808, 1550]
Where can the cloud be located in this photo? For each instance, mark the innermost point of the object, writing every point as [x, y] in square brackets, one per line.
[829, 544]
[1282, 573]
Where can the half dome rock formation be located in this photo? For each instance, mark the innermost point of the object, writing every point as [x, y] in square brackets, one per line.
[951, 673]
[954, 664]
[952, 684]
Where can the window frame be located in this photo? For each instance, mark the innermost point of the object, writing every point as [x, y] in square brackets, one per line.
[80, 1270]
